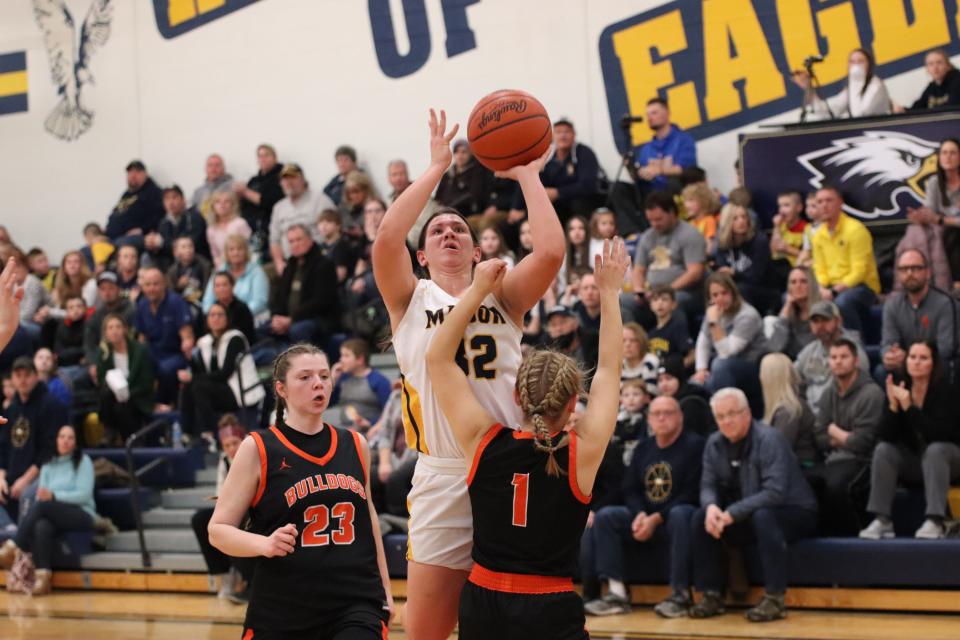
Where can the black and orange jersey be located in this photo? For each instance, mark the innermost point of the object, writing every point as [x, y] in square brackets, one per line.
[525, 521]
[318, 484]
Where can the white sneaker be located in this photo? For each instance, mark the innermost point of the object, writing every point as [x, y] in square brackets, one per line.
[929, 530]
[227, 582]
[877, 530]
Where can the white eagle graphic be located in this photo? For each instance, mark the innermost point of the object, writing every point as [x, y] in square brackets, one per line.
[874, 169]
[70, 62]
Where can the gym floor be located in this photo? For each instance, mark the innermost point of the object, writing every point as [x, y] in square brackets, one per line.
[122, 615]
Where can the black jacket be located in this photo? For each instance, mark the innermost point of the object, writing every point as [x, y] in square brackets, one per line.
[68, 342]
[940, 95]
[937, 421]
[268, 186]
[30, 435]
[141, 209]
[468, 191]
[318, 290]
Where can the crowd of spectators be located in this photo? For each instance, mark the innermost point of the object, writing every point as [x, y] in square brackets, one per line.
[173, 303]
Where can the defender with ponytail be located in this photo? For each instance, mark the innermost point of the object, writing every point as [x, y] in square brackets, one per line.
[530, 488]
[306, 488]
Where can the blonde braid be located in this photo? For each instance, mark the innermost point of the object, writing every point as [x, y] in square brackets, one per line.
[545, 382]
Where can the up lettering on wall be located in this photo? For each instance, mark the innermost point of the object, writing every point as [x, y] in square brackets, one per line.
[722, 64]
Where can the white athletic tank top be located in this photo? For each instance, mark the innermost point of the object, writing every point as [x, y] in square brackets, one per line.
[490, 355]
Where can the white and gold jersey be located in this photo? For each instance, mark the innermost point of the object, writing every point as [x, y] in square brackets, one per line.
[489, 354]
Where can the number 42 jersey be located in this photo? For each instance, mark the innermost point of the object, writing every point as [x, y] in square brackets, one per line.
[489, 355]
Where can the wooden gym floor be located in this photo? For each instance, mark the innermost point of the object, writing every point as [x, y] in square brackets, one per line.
[69, 615]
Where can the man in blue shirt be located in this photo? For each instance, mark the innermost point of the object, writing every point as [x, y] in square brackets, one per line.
[661, 162]
[165, 324]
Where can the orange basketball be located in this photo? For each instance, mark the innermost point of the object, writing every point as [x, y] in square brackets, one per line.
[508, 128]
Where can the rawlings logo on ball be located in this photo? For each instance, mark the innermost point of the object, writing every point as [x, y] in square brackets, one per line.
[497, 113]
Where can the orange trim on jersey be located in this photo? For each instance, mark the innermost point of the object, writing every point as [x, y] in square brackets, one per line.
[363, 462]
[248, 635]
[519, 583]
[261, 487]
[303, 454]
[487, 437]
[523, 435]
[572, 471]
[384, 630]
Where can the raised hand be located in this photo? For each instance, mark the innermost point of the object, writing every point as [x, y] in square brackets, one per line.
[281, 542]
[440, 153]
[533, 167]
[611, 267]
[10, 297]
[489, 274]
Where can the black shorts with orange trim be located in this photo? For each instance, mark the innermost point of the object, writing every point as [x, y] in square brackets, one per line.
[353, 623]
[485, 614]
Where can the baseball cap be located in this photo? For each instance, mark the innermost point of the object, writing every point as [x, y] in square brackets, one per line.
[136, 165]
[108, 276]
[24, 362]
[291, 169]
[824, 309]
[561, 310]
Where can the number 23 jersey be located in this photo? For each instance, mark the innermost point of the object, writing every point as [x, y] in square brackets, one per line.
[489, 355]
[316, 482]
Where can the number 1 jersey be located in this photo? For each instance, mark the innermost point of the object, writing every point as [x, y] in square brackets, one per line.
[525, 521]
[489, 355]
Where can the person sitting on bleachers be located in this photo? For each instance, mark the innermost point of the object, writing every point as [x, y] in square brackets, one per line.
[64, 504]
[305, 302]
[39, 265]
[73, 279]
[58, 386]
[864, 92]
[334, 245]
[785, 409]
[731, 342]
[394, 460]
[28, 439]
[188, 274]
[300, 206]
[35, 299]
[251, 285]
[743, 252]
[166, 325]
[751, 491]
[843, 260]
[139, 210]
[178, 222]
[126, 397]
[68, 338]
[791, 328]
[813, 361]
[110, 302]
[345, 157]
[232, 571]
[259, 194]
[661, 489]
[127, 268]
[789, 227]
[239, 316]
[919, 440]
[224, 221]
[361, 390]
[917, 312]
[844, 433]
[671, 335]
[210, 385]
[944, 87]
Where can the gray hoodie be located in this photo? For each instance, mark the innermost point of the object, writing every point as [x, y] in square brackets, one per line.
[859, 411]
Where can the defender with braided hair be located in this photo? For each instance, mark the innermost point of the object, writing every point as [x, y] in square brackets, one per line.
[530, 488]
[322, 573]
[438, 544]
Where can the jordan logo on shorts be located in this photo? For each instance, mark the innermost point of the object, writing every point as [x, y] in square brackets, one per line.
[284, 465]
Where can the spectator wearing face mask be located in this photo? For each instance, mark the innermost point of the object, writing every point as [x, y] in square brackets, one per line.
[864, 94]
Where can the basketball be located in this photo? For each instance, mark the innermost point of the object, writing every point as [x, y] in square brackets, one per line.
[508, 128]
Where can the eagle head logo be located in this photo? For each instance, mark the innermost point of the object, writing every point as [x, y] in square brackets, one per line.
[874, 169]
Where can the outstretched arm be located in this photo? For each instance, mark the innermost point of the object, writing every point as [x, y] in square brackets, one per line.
[467, 417]
[596, 426]
[391, 262]
[10, 297]
[525, 284]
